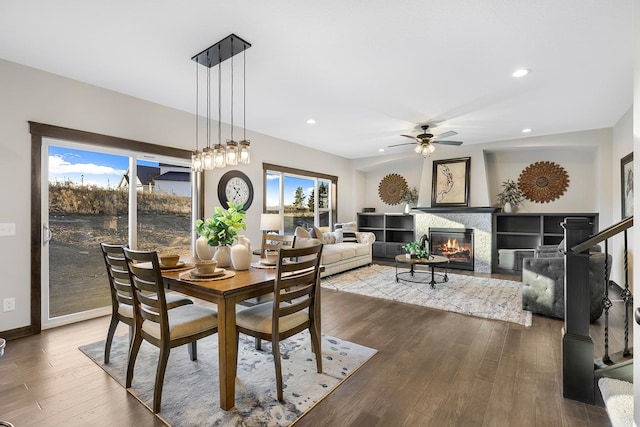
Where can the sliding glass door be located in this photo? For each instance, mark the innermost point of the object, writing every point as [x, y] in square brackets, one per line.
[91, 196]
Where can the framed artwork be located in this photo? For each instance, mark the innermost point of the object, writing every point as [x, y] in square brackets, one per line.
[626, 185]
[450, 184]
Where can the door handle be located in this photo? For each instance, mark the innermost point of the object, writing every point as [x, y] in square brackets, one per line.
[47, 235]
[637, 315]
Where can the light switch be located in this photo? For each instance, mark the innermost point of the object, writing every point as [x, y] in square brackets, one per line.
[7, 229]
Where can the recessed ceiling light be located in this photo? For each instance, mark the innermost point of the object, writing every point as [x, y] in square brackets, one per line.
[521, 72]
[381, 149]
[311, 122]
[527, 130]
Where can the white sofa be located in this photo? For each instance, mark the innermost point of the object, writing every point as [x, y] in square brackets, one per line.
[337, 255]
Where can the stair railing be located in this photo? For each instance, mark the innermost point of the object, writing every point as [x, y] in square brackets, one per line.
[578, 363]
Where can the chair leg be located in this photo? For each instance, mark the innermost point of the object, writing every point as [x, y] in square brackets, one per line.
[162, 366]
[133, 354]
[258, 344]
[316, 345]
[278, 363]
[192, 348]
[110, 333]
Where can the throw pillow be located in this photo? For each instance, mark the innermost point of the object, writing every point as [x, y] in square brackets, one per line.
[301, 232]
[350, 227]
[317, 233]
[349, 237]
[338, 234]
[328, 238]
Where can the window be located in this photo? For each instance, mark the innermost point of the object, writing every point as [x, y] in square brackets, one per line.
[302, 198]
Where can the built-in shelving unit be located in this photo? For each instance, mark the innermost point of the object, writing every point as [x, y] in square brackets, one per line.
[392, 231]
[528, 230]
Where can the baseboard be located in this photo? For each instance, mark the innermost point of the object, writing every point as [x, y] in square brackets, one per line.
[13, 334]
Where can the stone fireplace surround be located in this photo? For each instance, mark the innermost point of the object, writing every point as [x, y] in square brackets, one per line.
[479, 219]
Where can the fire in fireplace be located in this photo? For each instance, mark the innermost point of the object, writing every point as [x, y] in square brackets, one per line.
[455, 244]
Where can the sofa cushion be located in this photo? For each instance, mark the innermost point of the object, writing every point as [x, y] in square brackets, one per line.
[330, 254]
[328, 238]
[338, 234]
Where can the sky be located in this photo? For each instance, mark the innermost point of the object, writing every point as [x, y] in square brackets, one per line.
[87, 167]
[290, 185]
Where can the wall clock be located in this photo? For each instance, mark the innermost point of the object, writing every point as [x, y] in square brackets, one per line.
[236, 187]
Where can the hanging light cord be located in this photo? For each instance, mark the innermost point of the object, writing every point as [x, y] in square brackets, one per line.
[244, 94]
[232, 89]
[208, 107]
[197, 90]
[219, 97]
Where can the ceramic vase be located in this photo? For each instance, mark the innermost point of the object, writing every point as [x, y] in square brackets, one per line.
[241, 254]
[507, 207]
[407, 208]
[223, 256]
[203, 250]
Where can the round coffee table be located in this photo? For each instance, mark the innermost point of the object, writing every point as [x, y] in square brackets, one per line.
[432, 261]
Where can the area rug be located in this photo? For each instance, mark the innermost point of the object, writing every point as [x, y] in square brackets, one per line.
[190, 396]
[475, 296]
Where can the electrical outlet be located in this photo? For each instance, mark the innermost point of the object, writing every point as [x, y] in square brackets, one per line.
[7, 229]
[9, 304]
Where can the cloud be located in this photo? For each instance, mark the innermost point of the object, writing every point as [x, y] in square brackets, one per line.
[58, 165]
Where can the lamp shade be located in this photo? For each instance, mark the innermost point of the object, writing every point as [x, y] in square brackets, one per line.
[269, 222]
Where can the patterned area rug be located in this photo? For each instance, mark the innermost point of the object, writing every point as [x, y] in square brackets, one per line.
[190, 396]
[475, 296]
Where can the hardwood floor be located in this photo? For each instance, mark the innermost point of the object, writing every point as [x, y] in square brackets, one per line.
[433, 368]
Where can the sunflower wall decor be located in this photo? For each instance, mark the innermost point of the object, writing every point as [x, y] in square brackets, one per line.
[543, 182]
[391, 187]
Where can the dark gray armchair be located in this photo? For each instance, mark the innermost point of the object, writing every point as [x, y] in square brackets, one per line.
[543, 283]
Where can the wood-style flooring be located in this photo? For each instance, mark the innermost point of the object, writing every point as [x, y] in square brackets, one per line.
[433, 368]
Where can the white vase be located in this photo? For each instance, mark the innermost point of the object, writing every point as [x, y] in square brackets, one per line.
[507, 207]
[203, 250]
[223, 256]
[241, 254]
[407, 208]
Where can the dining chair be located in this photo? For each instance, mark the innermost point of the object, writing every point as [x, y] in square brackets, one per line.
[122, 296]
[156, 324]
[276, 241]
[294, 308]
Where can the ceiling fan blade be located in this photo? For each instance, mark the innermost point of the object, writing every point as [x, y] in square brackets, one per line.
[447, 142]
[404, 143]
[409, 136]
[447, 134]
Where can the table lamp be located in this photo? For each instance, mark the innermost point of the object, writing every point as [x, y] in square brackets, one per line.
[270, 222]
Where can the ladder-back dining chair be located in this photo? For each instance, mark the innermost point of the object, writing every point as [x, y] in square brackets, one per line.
[122, 296]
[295, 306]
[156, 324]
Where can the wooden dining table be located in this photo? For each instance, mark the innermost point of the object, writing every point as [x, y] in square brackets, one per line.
[226, 293]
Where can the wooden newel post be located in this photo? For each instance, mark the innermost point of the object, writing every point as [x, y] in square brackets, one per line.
[577, 346]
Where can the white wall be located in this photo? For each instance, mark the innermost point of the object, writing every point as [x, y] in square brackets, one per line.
[32, 95]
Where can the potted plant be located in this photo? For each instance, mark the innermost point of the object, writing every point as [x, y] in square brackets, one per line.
[410, 196]
[511, 196]
[415, 249]
[220, 230]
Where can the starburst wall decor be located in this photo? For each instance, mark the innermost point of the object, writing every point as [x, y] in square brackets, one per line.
[543, 182]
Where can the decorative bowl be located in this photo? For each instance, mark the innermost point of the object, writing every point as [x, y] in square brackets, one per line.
[207, 266]
[271, 255]
[169, 259]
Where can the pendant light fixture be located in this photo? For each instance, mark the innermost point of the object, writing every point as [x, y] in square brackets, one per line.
[232, 152]
[245, 144]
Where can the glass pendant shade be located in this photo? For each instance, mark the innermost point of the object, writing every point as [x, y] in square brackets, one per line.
[196, 161]
[232, 153]
[219, 156]
[245, 152]
[207, 159]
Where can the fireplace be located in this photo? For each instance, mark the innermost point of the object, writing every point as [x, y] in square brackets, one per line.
[455, 244]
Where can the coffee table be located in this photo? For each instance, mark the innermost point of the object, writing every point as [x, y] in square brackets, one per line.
[431, 261]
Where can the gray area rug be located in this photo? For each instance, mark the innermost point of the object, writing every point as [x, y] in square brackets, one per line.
[475, 296]
[191, 396]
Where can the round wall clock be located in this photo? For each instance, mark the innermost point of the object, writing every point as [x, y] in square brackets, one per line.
[235, 187]
[391, 187]
[543, 182]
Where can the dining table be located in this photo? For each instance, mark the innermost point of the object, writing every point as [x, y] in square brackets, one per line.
[226, 293]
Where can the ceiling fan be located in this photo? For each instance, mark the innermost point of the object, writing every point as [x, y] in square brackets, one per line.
[426, 140]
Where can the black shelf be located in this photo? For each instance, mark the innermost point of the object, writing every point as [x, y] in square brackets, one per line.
[392, 232]
[529, 230]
